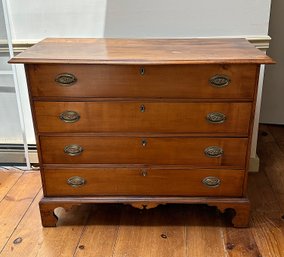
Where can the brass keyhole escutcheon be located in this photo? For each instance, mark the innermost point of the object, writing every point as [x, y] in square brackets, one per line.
[142, 71]
[144, 172]
[142, 108]
[144, 142]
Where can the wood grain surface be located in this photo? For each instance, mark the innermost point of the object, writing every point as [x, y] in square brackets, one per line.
[130, 150]
[143, 51]
[157, 117]
[131, 181]
[16, 202]
[158, 81]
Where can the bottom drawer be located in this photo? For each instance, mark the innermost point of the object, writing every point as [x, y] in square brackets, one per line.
[146, 182]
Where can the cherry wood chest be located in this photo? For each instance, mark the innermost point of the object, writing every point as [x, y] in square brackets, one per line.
[143, 122]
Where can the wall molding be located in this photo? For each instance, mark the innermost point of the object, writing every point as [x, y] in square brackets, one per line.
[260, 42]
[18, 45]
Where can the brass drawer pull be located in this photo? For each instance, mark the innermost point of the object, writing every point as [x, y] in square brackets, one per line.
[216, 117]
[144, 173]
[65, 79]
[220, 81]
[73, 150]
[144, 142]
[76, 181]
[211, 181]
[142, 108]
[213, 151]
[69, 116]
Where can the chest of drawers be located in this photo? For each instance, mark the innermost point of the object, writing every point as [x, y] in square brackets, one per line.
[143, 122]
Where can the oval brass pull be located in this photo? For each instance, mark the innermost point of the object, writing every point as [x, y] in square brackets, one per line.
[73, 150]
[69, 116]
[65, 79]
[144, 173]
[144, 142]
[142, 71]
[76, 181]
[216, 117]
[142, 108]
[220, 81]
[211, 181]
[213, 151]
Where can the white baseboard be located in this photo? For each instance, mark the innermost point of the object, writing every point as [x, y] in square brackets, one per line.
[254, 164]
[17, 156]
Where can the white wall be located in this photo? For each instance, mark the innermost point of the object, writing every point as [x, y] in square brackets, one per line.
[10, 128]
[272, 110]
[186, 18]
[57, 18]
[2, 24]
[138, 18]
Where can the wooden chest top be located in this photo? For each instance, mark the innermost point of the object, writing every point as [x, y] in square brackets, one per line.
[139, 51]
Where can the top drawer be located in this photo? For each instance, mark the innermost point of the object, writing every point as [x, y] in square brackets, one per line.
[149, 81]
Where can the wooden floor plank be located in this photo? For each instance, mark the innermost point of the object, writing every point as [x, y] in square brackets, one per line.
[204, 229]
[277, 133]
[255, 241]
[267, 189]
[272, 161]
[266, 223]
[12, 169]
[99, 237]
[16, 203]
[47, 242]
[158, 232]
[240, 242]
[268, 235]
[7, 180]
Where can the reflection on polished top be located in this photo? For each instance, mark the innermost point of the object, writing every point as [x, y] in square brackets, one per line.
[139, 51]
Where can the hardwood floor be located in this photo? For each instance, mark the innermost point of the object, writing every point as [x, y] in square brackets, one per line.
[166, 231]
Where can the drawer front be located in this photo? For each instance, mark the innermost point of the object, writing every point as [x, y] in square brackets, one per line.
[157, 81]
[134, 181]
[202, 152]
[143, 117]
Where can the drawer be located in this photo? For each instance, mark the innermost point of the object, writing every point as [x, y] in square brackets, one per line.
[135, 181]
[155, 117]
[203, 152]
[154, 81]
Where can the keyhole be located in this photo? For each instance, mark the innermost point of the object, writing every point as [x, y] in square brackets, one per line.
[144, 142]
[142, 108]
[142, 71]
[144, 173]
